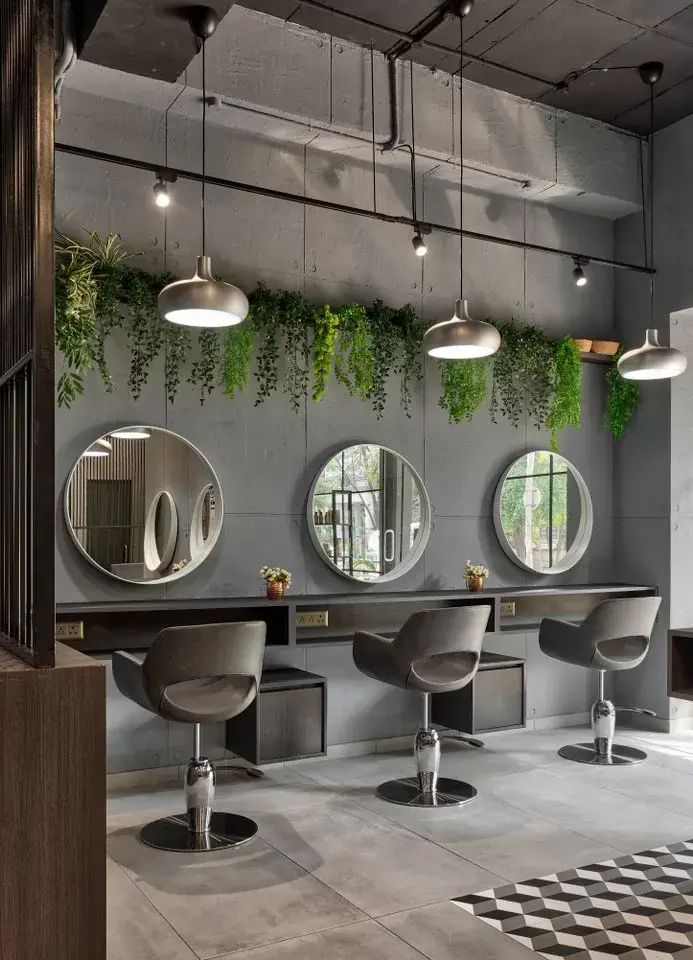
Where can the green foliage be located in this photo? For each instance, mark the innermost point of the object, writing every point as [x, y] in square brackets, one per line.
[294, 317]
[384, 349]
[622, 401]
[326, 328]
[354, 359]
[204, 369]
[235, 361]
[178, 343]
[566, 407]
[410, 367]
[523, 374]
[463, 387]
[264, 321]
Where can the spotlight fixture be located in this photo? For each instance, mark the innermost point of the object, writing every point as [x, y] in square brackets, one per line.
[203, 301]
[651, 361]
[161, 195]
[99, 448]
[419, 244]
[131, 433]
[461, 338]
[579, 274]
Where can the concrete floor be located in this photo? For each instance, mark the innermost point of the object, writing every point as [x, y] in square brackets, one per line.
[336, 873]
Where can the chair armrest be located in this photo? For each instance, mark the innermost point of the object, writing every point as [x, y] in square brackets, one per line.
[128, 674]
[375, 656]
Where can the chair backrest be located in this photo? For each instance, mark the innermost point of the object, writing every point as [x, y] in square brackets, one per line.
[209, 650]
[621, 619]
[430, 633]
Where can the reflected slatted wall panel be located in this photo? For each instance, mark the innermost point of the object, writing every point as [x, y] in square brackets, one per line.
[27, 537]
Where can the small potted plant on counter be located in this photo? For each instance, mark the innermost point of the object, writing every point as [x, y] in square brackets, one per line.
[475, 574]
[277, 580]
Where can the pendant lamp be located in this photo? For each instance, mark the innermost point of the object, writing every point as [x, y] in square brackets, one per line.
[651, 361]
[203, 301]
[461, 338]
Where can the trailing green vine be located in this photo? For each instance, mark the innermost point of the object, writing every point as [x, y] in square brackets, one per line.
[622, 401]
[523, 374]
[292, 345]
[326, 328]
[463, 387]
[566, 406]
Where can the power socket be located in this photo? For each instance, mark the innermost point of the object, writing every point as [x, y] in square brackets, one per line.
[312, 618]
[69, 630]
[507, 608]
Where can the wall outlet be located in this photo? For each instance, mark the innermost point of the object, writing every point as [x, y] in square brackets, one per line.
[312, 618]
[69, 630]
[507, 608]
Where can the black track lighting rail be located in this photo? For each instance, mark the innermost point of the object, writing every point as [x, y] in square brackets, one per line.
[423, 225]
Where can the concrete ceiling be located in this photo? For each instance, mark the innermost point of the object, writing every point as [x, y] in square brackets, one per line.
[547, 39]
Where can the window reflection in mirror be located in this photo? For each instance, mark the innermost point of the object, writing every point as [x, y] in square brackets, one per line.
[367, 513]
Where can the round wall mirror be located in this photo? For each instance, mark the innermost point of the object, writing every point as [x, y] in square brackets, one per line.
[542, 512]
[369, 515]
[143, 505]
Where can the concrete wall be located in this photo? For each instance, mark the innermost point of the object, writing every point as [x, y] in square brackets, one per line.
[653, 464]
[266, 456]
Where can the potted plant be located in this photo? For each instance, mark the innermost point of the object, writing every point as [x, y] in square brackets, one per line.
[277, 580]
[475, 574]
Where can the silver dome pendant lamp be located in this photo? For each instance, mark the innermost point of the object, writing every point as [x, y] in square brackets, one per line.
[652, 361]
[203, 301]
[461, 338]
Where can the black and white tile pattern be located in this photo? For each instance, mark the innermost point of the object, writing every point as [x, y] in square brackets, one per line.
[634, 906]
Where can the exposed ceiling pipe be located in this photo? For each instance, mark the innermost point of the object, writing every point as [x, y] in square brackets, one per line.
[394, 141]
[68, 54]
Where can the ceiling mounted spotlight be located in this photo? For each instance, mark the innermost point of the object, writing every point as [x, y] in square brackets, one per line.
[578, 273]
[461, 338]
[651, 361]
[419, 244]
[203, 301]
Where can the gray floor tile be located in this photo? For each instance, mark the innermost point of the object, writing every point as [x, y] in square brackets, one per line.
[591, 810]
[443, 931]
[363, 941]
[231, 900]
[373, 863]
[136, 930]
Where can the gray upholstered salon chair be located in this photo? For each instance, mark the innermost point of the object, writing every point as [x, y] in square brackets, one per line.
[436, 651]
[615, 636]
[196, 674]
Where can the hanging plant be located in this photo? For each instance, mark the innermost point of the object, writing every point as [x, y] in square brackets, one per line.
[145, 333]
[523, 375]
[264, 319]
[294, 317]
[204, 369]
[178, 343]
[566, 406]
[354, 358]
[622, 401]
[235, 361]
[463, 387]
[326, 329]
[410, 365]
[385, 351]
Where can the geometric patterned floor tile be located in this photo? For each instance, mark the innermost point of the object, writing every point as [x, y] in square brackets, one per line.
[636, 907]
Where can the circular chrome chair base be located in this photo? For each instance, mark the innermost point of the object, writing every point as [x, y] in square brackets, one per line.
[450, 793]
[585, 753]
[171, 833]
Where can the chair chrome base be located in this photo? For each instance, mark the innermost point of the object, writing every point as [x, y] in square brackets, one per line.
[174, 834]
[586, 753]
[408, 792]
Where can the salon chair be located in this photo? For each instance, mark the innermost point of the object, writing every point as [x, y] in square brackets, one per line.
[436, 651]
[196, 674]
[615, 636]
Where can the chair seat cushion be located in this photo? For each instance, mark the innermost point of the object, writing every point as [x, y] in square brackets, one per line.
[442, 672]
[207, 700]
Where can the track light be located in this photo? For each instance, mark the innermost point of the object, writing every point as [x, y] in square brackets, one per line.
[579, 274]
[161, 194]
[419, 244]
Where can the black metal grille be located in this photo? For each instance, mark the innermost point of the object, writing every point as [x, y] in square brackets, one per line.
[27, 535]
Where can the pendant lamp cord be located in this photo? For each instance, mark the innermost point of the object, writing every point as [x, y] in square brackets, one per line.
[652, 181]
[461, 153]
[413, 147]
[204, 150]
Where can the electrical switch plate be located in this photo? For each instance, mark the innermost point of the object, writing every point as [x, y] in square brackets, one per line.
[507, 608]
[69, 630]
[312, 618]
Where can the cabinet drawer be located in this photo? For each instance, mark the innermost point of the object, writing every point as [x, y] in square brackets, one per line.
[291, 723]
[498, 698]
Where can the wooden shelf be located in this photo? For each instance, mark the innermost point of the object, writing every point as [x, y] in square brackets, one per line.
[602, 358]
